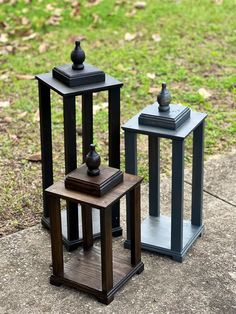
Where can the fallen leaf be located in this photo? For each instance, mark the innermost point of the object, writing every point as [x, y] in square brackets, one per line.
[3, 38]
[24, 76]
[99, 107]
[151, 75]
[130, 37]
[35, 157]
[154, 90]
[4, 104]
[49, 7]
[204, 93]
[58, 11]
[43, 47]
[14, 137]
[22, 114]
[25, 21]
[4, 76]
[36, 117]
[140, 5]
[218, 2]
[92, 3]
[156, 37]
[29, 37]
[54, 20]
[131, 13]
[7, 119]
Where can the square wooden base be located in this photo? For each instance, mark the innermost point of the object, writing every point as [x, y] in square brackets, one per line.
[156, 236]
[83, 272]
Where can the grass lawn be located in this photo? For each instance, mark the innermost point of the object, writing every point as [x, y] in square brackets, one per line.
[188, 44]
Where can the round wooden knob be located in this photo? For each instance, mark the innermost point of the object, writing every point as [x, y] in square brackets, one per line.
[93, 161]
[77, 57]
[164, 99]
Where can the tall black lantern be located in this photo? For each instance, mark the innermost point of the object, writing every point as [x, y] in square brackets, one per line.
[69, 81]
[163, 234]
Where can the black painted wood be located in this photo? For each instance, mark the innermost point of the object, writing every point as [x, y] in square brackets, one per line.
[70, 162]
[87, 122]
[154, 175]
[46, 142]
[114, 143]
[64, 90]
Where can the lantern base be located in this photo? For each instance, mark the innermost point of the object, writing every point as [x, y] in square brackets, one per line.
[171, 119]
[72, 78]
[156, 236]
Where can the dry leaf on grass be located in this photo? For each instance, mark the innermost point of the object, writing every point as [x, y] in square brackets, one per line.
[22, 114]
[131, 13]
[35, 157]
[204, 93]
[151, 75]
[29, 37]
[24, 76]
[140, 5]
[4, 104]
[43, 47]
[92, 3]
[156, 37]
[7, 119]
[3, 38]
[130, 37]
[154, 90]
[36, 117]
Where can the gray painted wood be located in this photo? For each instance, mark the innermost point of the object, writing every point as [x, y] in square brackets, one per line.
[182, 132]
[197, 174]
[177, 195]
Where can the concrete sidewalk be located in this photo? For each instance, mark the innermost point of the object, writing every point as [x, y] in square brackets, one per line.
[204, 283]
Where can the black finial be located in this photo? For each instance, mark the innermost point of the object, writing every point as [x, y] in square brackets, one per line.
[93, 161]
[77, 57]
[164, 99]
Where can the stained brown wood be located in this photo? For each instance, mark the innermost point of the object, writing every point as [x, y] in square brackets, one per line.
[129, 182]
[98, 274]
[106, 249]
[79, 180]
[87, 226]
[56, 240]
[85, 268]
[135, 226]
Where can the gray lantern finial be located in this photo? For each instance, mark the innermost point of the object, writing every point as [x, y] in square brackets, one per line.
[164, 98]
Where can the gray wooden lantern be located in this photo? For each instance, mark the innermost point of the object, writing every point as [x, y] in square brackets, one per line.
[168, 235]
[69, 81]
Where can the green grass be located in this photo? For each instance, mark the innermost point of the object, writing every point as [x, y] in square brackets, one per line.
[197, 50]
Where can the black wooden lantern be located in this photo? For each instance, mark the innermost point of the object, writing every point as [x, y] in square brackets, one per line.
[168, 235]
[69, 81]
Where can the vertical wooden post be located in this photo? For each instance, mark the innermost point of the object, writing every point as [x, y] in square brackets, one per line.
[106, 249]
[154, 175]
[177, 195]
[197, 174]
[56, 240]
[135, 225]
[130, 167]
[114, 144]
[46, 142]
[70, 162]
[87, 227]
